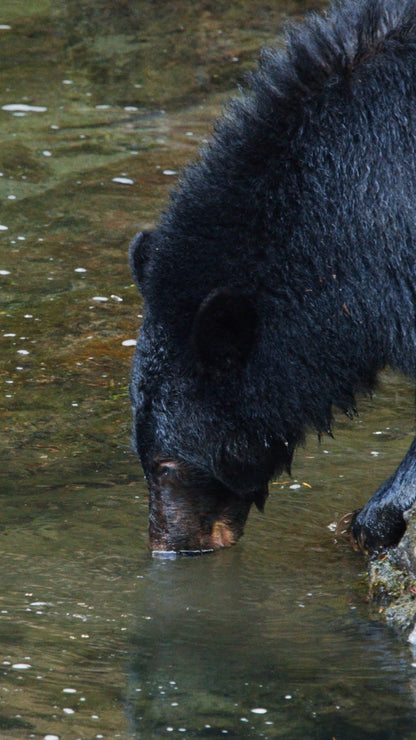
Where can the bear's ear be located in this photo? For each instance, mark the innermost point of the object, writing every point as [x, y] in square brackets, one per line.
[139, 254]
[223, 330]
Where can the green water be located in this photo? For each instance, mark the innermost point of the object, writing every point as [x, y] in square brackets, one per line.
[272, 639]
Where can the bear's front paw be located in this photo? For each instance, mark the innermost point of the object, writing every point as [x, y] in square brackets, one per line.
[373, 529]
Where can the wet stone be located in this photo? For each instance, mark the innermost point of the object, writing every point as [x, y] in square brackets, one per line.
[392, 579]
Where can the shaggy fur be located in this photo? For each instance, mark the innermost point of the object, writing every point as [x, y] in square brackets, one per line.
[282, 276]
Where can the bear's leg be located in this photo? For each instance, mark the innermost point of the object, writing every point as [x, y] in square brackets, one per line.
[381, 523]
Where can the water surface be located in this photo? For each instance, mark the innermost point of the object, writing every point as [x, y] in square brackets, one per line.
[101, 103]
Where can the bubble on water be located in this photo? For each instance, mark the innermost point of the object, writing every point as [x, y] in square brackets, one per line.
[69, 691]
[11, 197]
[100, 298]
[259, 710]
[22, 352]
[21, 666]
[123, 180]
[170, 172]
[3, 227]
[23, 108]
[80, 269]
[5, 27]
[5, 272]
[129, 343]
[51, 737]
[68, 710]
[47, 153]
[67, 82]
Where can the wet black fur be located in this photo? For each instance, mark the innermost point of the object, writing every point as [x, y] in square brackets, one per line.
[302, 207]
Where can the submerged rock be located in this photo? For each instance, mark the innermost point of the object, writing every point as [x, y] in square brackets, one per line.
[393, 582]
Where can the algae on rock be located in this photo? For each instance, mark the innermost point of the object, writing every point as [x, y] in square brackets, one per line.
[393, 582]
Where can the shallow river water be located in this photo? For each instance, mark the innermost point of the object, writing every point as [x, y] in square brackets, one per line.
[101, 103]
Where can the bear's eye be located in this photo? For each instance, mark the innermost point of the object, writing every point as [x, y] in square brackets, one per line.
[167, 469]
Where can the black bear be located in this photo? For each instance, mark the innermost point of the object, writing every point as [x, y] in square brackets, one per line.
[282, 278]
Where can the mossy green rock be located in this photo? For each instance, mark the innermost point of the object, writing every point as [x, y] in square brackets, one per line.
[393, 582]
